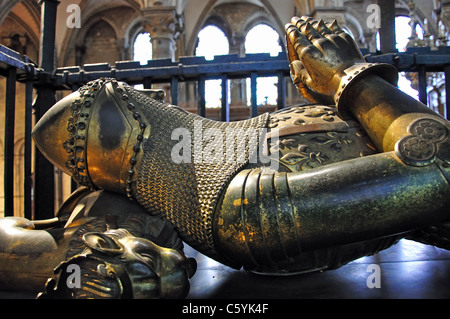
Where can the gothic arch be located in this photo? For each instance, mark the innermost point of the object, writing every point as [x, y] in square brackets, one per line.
[20, 27]
[130, 33]
[5, 8]
[93, 41]
[250, 13]
[355, 25]
[19, 176]
[76, 37]
[218, 22]
[32, 6]
[278, 24]
[260, 19]
[92, 21]
[191, 43]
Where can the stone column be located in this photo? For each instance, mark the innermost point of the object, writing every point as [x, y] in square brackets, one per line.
[163, 24]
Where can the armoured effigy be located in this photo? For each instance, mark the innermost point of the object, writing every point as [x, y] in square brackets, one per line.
[346, 176]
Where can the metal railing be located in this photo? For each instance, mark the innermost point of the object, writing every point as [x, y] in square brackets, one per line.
[188, 69]
[17, 68]
[421, 60]
[14, 68]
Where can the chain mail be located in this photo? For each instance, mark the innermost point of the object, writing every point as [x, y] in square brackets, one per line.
[185, 194]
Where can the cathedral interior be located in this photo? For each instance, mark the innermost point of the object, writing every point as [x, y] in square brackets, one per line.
[224, 60]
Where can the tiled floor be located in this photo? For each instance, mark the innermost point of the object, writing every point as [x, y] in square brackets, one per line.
[407, 270]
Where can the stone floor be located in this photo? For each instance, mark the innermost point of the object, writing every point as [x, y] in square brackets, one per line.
[408, 270]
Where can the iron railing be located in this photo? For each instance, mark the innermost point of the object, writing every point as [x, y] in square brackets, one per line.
[187, 69]
[14, 68]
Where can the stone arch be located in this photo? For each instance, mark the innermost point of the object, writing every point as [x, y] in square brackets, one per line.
[74, 41]
[238, 17]
[19, 176]
[20, 28]
[277, 24]
[263, 20]
[32, 7]
[100, 43]
[132, 30]
[6, 7]
[257, 18]
[92, 21]
[354, 25]
[192, 42]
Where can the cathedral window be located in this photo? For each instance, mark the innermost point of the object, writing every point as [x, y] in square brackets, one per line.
[142, 48]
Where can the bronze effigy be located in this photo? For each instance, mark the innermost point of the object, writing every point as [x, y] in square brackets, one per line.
[119, 255]
[345, 177]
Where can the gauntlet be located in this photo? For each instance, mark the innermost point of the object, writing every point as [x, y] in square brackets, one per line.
[324, 60]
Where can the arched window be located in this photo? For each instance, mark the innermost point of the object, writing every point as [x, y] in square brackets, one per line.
[142, 48]
[263, 39]
[212, 41]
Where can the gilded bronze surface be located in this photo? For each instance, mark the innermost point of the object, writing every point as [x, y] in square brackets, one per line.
[121, 251]
[363, 167]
